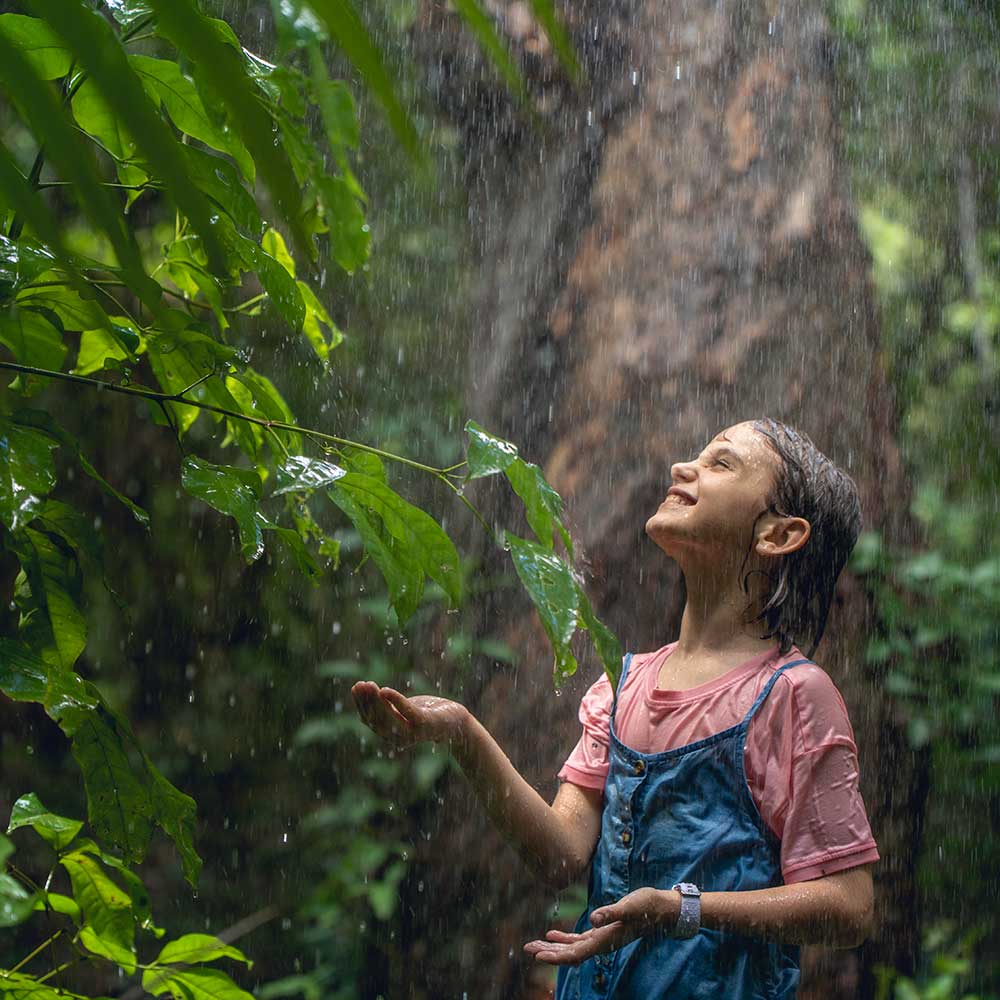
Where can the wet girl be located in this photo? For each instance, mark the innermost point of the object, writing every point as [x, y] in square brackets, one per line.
[715, 793]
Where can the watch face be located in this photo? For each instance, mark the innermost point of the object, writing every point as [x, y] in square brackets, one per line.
[687, 889]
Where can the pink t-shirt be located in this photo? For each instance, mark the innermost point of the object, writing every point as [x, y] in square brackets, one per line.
[800, 757]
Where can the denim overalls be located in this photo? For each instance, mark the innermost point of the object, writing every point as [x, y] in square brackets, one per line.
[684, 815]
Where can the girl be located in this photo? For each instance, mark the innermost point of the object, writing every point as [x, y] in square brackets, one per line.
[715, 793]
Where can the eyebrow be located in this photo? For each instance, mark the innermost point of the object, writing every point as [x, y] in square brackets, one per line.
[727, 451]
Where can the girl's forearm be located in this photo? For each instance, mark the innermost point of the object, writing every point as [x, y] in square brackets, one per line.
[835, 911]
[550, 841]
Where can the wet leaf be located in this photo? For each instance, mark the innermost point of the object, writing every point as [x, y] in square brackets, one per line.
[32, 339]
[193, 948]
[550, 585]
[58, 903]
[316, 317]
[96, 348]
[231, 491]
[542, 505]
[56, 830]
[108, 925]
[220, 181]
[27, 472]
[300, 473]
[194, 984]
[16, 902]
[606, 644]
[487, 454]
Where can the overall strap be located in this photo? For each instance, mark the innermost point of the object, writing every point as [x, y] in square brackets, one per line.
[621, 683]
[767, 688]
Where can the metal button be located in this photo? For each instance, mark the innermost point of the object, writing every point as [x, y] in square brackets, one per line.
[599, 979]
[626, 837]
[640, 767]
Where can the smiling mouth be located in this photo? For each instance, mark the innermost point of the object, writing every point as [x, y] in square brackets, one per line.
[680, 497]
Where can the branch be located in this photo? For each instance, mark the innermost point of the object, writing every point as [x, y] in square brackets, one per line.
[178, 398]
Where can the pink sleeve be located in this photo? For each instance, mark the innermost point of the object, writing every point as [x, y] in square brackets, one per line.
[802, 767]
[587, 765]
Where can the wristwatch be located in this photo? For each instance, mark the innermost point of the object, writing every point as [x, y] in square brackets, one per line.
[689, 919]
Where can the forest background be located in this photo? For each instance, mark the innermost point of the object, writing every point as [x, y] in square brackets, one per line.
[235, 677]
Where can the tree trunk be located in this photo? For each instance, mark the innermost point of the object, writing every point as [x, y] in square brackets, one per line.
[672, 250]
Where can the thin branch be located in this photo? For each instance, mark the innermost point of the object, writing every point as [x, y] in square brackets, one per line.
[27, 958]
[61, 968]
[172, 397]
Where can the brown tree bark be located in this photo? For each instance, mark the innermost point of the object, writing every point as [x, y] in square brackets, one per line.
[672, 250]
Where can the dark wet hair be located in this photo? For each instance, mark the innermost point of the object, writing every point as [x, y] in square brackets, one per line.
[807, 485]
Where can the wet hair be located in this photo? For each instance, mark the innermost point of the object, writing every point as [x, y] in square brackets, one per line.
[807, 485]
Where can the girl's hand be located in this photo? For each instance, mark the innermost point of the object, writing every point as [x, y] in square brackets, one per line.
[405, 721]
[638, 913]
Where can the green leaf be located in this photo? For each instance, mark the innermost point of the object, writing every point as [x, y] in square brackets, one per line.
[108, 925]
[221, 183]
[544, 11]
[54, 578]
[274, 244]
[16, 986]
[57, 831]
[16, 902]
[194, 948]
[299, 473]
[552, 589]
[73, 311]
[316, 317]
[350, 238]
[24, 676]
[183, 103]
[58, 903]
[175, 812]
[193, 984]
[27, 472]
[118, 804]
[365, 462]
[32, 339]
[296, 545]
[487, 454]
[230, 491]
[606, 644]
[542, 505]
[402, 573]
[280, 286]
[128, 12]
[49, 58]
[97, 118]
[412, 527]
[96, 348]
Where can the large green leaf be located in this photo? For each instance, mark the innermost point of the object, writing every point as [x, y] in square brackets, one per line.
[403, 574]
[25, 676]
[542, 504]
[46, 53]
[194, 984]
[16, 902]
[552, 589]
[231, 491]
[56, 830]
[422, 536]
[108, 924]
[72, 310]
[27, 472]
[17, 986]
[606, 644]
[481, 25]
[220, 181]
[175, 812]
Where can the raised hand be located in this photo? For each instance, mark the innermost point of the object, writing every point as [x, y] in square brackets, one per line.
[640, 912]
[404, 721]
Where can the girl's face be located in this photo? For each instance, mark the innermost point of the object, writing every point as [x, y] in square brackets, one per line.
[715, 499]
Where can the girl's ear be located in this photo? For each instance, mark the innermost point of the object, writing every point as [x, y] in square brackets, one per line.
[779, 536]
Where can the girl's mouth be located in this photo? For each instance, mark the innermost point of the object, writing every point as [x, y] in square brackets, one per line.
[681, 497]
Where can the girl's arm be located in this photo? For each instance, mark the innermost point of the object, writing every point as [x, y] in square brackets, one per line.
[835, 910]
[556, 841]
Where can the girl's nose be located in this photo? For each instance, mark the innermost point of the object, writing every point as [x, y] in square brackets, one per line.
[682, 472]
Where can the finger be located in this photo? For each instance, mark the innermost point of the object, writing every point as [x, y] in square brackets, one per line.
[605, 915]
[399, 703]
[568, 938]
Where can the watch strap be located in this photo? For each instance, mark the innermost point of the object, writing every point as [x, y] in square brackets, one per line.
[689, 919]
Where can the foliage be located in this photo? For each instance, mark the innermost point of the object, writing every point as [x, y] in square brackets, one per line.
[949, 969]
[93, 916]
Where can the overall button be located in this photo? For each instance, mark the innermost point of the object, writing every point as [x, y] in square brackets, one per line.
[626, 837]
[599, 980]
[640, 767]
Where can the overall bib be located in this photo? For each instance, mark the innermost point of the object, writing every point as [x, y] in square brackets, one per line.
[684, 815]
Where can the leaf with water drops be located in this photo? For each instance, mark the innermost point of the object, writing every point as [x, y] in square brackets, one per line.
[194, 948]
[231, 491]
[553, 590]
[486, 453]
[316, 317]
[32, 339]
[542, 504]
[56, 830]
[128, 12]
[299, 473]
[606, 644]
[220, 181]
[27, 471]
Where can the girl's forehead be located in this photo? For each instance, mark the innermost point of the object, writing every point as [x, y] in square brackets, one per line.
[746, 442]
